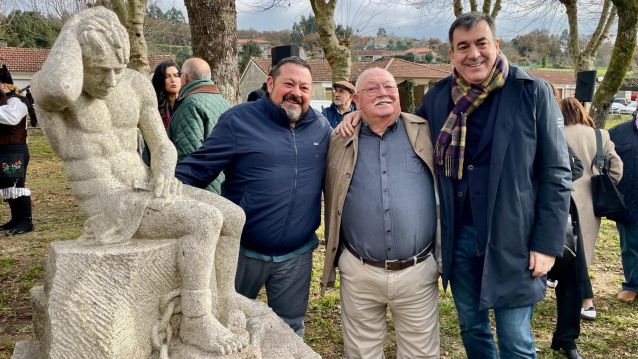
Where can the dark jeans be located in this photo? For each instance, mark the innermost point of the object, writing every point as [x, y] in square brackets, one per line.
[513, 329]
[569, 297]
[287, 285]
[629, 255]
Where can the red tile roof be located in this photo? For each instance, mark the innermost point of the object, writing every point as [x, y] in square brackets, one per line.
[155, 60]
[23, 60]
[554, 77]
[31, 60]
[321, 71]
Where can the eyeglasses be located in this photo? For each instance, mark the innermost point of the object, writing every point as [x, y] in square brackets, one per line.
[175, 75]
[373, 90]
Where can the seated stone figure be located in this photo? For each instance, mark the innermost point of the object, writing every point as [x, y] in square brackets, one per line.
[90, 106]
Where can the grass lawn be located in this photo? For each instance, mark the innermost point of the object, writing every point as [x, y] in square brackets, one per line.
[22, 258]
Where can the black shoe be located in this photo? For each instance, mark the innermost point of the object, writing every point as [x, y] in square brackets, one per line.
[14, 214]
[9, 225]
[570, 353]
[19, 229]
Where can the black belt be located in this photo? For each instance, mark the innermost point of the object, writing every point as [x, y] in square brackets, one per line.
[393, 264]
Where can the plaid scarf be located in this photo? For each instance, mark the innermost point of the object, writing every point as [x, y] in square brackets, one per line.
[449, 150]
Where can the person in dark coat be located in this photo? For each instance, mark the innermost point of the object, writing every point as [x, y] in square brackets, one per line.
[570, 273]
[505, 183]
[625, 137]
[342, 104]
[259, 93]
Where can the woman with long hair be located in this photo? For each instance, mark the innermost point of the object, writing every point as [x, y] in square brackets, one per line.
[581, 137]
[167, 83]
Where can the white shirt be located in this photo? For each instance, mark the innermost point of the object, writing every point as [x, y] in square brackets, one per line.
[12, 112]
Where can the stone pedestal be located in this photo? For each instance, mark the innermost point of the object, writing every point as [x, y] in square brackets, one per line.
[102, 302]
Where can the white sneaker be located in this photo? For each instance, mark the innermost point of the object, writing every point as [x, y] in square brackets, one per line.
[588, 314]
[552, 283]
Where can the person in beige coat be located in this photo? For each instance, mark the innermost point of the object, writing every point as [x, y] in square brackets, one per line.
[579, 131]
[382, 225]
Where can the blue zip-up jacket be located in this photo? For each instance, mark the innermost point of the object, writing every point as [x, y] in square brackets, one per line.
[273, 172]
[332, 114]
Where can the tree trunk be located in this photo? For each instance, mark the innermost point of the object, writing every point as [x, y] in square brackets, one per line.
[337, 55]
[620, 62]
[474, 6]
[132, 17]
[135, 28]
[213, 26]
[584, 60]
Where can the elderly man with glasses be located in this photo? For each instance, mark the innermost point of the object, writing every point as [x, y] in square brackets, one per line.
[382, 225]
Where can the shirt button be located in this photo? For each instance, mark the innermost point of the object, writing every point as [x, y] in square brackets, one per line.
[385, 190]
[459, 194]
[348, 175]
[470, 168]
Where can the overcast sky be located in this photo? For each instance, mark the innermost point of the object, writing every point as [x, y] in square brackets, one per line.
[366, 16]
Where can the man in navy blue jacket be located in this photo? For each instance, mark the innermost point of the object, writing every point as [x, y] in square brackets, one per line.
[273, 154]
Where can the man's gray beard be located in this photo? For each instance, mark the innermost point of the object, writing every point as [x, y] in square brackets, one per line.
[293, 114]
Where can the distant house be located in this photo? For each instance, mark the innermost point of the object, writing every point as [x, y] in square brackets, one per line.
[421, 53]
[370, 55]
[24, 62]
[263, 44]
[422, 75]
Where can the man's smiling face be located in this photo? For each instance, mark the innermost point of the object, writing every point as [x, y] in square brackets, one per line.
[474, 52]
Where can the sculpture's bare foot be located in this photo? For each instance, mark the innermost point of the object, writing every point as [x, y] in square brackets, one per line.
[251, 308]
[256, 328]
[208, 334]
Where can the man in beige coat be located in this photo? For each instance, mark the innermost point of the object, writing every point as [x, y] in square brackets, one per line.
[382, 225]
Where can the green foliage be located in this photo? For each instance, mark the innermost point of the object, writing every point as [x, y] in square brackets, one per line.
[251, 49]
[29, 29]
[171, 15]
[429, 58]
[409, 57]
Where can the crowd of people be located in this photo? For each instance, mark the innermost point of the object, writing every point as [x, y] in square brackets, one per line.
[481, 186]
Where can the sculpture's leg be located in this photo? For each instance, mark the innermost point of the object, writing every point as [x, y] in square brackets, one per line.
[198, 226]
[227, 254]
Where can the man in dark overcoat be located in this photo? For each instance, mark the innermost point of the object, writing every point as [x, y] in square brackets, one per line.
[505, 184]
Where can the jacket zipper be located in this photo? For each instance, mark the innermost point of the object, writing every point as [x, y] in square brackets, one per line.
[294, 185]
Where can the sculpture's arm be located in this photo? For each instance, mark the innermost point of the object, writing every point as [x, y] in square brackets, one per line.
[59, 83]
[163, 153]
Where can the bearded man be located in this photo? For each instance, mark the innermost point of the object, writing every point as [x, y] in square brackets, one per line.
[273, 154]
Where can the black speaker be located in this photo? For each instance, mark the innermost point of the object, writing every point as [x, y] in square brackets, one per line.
[278, 53]
[585, 85]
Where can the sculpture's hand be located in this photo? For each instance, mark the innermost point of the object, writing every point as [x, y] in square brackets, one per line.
[167, 186]
[350, 121]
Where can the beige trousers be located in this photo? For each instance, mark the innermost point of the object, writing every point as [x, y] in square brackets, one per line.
[412, 296]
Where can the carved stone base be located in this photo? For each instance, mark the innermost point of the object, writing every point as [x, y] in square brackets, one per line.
[102, 302]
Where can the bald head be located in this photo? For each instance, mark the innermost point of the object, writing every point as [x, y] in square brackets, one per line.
[195, 69]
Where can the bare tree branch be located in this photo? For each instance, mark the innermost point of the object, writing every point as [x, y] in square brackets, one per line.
[496, 9]
[473, 5]
[603, 34]
[458, 7]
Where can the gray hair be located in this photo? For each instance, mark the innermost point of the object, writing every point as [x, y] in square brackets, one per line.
[469, 20]
[196, 69]
[365, 72]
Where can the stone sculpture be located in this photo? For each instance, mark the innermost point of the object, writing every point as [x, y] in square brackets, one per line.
[151, 246]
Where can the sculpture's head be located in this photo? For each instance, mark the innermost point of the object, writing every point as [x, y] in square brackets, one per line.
[105, 51]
